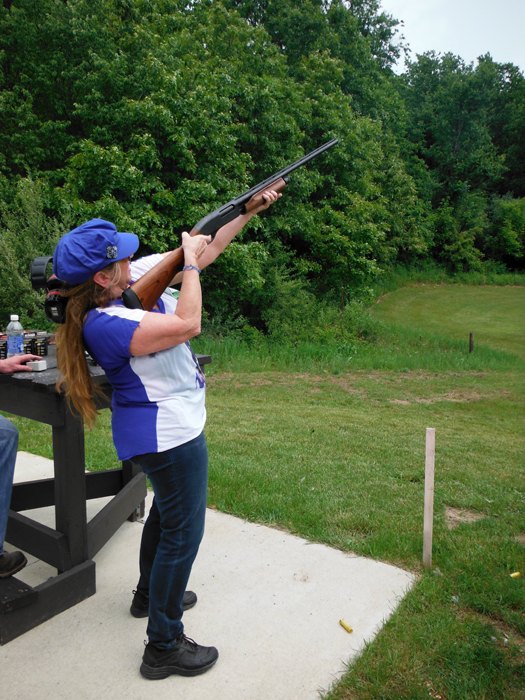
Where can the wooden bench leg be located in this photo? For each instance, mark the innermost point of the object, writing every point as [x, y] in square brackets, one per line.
[52, 597]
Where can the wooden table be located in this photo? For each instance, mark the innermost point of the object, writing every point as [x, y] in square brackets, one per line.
[71, 546]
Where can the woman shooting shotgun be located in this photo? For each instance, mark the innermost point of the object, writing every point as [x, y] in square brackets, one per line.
[158, 391]
[158, 408]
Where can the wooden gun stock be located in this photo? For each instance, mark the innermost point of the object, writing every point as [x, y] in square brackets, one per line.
[146, 292]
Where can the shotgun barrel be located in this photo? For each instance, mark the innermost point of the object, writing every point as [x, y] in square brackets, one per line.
[211, 223]
[145, 293]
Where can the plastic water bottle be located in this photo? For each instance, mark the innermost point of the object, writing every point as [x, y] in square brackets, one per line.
[15, 337]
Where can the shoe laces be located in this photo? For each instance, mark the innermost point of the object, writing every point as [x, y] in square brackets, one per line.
[182, 639]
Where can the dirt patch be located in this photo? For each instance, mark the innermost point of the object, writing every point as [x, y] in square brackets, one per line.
[351, 383]
[457, 516]
[222, 378]
[506, 634]
[454, 397]
[461, 396]
[346, 385]
[393, 377]
[520, 539]
[236, 381]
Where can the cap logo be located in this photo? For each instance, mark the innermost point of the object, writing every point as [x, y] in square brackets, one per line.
[111, 251]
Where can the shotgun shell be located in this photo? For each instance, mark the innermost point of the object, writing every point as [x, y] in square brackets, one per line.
[516, 574]
[345, 626]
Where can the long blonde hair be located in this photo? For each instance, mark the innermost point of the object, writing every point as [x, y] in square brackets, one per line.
[75, 382]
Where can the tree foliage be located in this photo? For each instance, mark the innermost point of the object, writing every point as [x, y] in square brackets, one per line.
[26, 233]
[464, 134]
[151, 113]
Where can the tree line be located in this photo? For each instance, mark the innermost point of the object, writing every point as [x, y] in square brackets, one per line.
[152, 113]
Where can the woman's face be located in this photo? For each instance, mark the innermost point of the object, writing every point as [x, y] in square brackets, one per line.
[124, 279]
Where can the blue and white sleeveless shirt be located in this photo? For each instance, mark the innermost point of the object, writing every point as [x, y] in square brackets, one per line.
[158, 399]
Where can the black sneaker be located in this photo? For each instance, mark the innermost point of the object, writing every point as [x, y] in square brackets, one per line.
[10, 563]
[140, 605]
[185, 658]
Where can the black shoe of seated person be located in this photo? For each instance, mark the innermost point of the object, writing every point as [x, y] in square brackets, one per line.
[140, 605]
[184, 658]
[11, 563]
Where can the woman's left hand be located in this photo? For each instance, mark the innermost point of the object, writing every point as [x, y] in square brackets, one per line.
[268, 198]
[228, 232]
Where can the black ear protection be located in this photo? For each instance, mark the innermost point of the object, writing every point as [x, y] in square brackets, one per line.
[55, 304]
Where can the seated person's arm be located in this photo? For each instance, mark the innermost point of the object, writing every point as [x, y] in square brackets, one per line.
[17, 363]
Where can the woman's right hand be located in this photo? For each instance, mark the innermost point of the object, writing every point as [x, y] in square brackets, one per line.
[194, 247]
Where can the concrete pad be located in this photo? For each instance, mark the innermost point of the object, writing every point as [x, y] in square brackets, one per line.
[269, 601]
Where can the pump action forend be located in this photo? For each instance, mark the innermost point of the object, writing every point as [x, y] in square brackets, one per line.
[145, 293]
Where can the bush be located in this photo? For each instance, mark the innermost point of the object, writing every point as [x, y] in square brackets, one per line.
[25, 234]
[430, 273]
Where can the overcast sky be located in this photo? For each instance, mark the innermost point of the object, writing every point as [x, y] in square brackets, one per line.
[467, 28]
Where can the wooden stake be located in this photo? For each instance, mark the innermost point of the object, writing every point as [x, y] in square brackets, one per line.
[429, 497]
[471, 342]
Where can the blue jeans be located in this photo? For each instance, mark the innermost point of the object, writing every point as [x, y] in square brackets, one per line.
[172, 533]
[8, 448]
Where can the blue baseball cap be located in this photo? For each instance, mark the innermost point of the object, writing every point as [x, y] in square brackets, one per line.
[90, 248]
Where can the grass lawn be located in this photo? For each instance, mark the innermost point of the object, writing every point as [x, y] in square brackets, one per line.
[337, 456]
[340, 459]
[496, 315]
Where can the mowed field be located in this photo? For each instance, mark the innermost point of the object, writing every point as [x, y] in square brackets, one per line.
[496, 315]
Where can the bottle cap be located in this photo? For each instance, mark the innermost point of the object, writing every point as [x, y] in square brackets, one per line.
[14, 317]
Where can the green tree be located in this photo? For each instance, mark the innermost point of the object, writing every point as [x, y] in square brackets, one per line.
[26, 232]
[160, 111]
[505, 239]
[461, 143]
[449, 122]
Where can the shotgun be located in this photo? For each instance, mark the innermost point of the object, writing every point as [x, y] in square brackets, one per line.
[145, 293]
